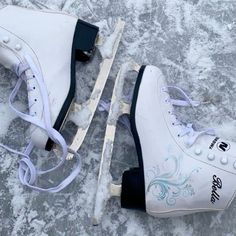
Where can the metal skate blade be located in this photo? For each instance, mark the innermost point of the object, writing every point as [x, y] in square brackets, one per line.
[99, 41]
[117, 108]
[91, 105]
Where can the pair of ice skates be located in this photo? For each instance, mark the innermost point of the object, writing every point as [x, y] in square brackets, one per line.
[181, 171]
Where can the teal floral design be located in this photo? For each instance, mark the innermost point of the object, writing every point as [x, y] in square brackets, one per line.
[170, 185]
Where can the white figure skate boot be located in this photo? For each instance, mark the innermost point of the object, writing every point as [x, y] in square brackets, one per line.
[42, 47]
[52, 41]
[181, 171]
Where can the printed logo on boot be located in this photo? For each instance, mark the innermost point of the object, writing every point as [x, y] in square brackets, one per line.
[216, 185]
[213, 142]
[223, 146]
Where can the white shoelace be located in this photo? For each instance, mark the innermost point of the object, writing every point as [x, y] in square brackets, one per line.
[28, 173]
[185, 129]
[124, 119]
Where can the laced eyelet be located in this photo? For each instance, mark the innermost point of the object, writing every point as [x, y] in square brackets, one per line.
[33, 76]
[35, 100]
[33, 87]
[178, 135]
[173, 123]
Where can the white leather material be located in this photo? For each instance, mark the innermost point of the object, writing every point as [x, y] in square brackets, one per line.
[179, 179]
[47, 37]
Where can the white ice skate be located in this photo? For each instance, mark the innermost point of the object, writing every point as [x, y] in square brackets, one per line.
[181, 171]
[42, 47]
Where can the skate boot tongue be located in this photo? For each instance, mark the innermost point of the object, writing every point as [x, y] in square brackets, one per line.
[185, 130]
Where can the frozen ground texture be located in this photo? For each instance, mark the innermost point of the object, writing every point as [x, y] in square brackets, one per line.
[194, 43]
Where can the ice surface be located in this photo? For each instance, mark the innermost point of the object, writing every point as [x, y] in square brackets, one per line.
[194, 43]
[7, 115]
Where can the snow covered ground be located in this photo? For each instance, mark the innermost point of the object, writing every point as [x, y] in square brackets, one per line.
[194, 43]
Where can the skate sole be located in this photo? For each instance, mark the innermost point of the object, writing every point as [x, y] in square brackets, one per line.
[82, 48]
[133, 184]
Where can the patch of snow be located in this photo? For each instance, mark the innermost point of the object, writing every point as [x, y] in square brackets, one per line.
[106, 49]
[81, 117]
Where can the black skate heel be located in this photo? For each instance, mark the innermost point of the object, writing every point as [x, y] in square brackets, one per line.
[133, 190]
[84, 40]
